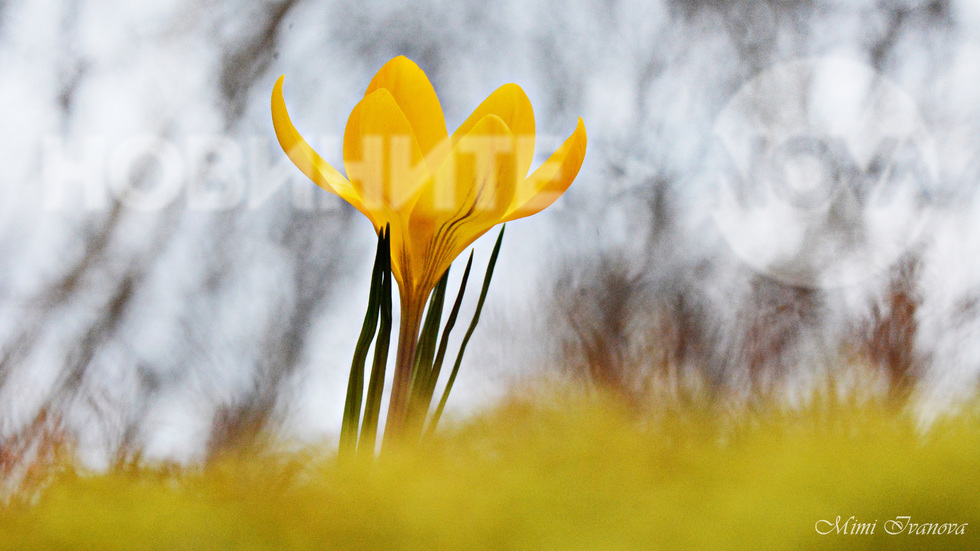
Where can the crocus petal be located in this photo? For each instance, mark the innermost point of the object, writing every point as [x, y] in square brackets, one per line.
[382, 158]
[467, 197]
[510, 103]
[415, 96]
[386, 168]
[551, 179]
[305, 158]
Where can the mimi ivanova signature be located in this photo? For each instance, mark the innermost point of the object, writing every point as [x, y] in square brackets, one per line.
[893, 527]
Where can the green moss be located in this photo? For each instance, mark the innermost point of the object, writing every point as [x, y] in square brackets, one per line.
[577, 472]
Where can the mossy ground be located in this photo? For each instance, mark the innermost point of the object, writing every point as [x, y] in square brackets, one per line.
[571, 471]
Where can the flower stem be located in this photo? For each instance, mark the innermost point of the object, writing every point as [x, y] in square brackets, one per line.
[408, 337]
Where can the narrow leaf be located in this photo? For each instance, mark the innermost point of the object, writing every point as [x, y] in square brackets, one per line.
[372, 408]
[444, 341]
[355, 383]
[469, 332]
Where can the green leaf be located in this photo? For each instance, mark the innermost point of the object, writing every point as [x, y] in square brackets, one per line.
[372, 408]
[444, 341]
[469, 332]
[355, 383]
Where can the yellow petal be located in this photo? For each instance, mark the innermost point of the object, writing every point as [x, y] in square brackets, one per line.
[382, 157]
[510, 103]
[386, 169]
[551, 179]
[415, 96]
[467, 197]
[305, 158]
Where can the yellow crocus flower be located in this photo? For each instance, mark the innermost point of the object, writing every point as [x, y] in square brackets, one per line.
[439, 193]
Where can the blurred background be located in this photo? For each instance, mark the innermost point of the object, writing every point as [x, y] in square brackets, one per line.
[778, 201]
